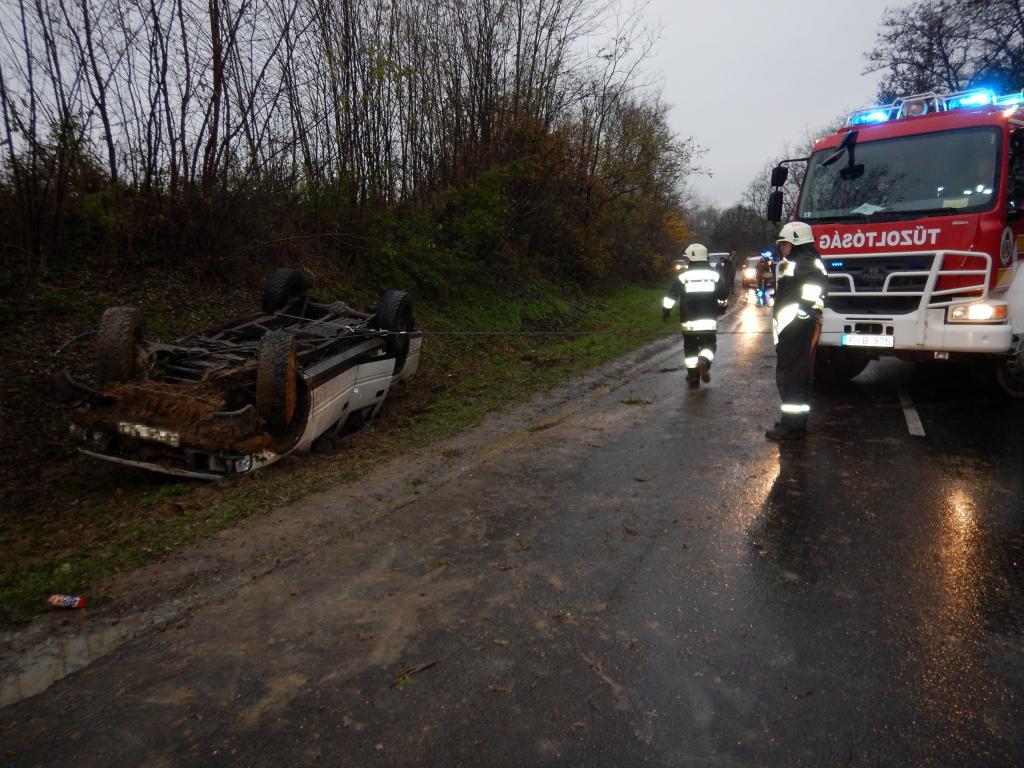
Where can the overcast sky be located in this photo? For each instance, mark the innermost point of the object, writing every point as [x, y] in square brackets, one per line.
[744, 77]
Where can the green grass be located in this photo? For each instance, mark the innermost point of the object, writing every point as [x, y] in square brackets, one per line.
[461, 380]
[489, 371]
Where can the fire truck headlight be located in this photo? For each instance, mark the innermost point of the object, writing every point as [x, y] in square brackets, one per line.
[976, 313]
[750, 273]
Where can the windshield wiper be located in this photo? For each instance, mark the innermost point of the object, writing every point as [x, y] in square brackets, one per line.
[853, 170]
[867, 218]
[848, 216]
[847, 143]
[928, 211]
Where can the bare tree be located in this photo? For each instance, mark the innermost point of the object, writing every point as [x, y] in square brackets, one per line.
[949, 45]
[187, 111]
[756, 195]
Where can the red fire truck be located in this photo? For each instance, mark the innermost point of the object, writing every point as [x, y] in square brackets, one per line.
[917, 208]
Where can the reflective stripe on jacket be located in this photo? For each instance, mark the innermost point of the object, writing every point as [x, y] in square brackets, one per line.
[801, 290]
[698, 291]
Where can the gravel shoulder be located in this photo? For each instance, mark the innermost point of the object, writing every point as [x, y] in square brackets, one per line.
[161, 595]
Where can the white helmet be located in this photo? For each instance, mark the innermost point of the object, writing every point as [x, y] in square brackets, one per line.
[795, 233]
[696, 252]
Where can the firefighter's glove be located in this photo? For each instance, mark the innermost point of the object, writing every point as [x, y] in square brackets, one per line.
[665, 315]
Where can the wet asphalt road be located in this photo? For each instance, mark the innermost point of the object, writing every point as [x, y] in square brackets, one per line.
[645, 580]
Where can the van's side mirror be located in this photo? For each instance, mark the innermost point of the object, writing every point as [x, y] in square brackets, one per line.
[774, 207]
[779, 175]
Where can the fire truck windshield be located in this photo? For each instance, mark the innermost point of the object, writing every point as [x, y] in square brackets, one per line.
[927, 174]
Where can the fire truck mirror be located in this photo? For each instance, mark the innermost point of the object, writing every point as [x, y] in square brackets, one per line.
[779, 175]
[774, 207]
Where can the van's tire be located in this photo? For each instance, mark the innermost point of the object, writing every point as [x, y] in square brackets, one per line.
[276, 380]
[834, 365]
[283, 285]
[394, 313]
[119, 340]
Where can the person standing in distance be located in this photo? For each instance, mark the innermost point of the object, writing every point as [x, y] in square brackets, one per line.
[698, 291]
[796, 326]
[729, 269]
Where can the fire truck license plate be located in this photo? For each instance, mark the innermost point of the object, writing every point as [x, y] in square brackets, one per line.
[866, 340]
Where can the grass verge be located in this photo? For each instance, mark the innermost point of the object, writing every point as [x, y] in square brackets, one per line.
[114, 519]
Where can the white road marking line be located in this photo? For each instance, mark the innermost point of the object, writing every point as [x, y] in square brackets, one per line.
[914, 425]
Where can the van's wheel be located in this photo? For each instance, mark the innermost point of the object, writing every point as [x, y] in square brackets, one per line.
[283, 285]
[120, 355]
[276, 380]
[394, 313]
[833, 365]
[1008, 370]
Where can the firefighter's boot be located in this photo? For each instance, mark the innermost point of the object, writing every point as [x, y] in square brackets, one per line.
[704, 369]
[692, 378]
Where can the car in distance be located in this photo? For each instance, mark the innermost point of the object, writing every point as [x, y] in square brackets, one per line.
[715, 259]
[753, 267]
[750, 271]
[240, 396]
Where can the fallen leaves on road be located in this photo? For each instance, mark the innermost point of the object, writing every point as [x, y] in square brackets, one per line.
[406, 671]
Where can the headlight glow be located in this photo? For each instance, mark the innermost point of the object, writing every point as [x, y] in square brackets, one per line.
[750, 273]
[977, 313]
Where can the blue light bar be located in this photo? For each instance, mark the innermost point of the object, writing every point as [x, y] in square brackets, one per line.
[978, 98]
[933, 102]
[766, 253]
[868, 116]
[837, 264]
[1010, 99]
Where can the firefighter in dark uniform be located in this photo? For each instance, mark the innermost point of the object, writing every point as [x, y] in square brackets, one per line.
[796, 326]
[701, 293]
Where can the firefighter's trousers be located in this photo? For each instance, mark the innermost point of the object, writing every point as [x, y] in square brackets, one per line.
[698, 346]
[794, 370]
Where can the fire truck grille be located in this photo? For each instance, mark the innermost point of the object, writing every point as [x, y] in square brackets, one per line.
[873, 304]
[871, 294]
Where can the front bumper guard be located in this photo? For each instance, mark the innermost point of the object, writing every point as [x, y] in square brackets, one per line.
[930, 297]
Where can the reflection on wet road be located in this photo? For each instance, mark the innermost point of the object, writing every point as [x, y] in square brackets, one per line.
[644, 581]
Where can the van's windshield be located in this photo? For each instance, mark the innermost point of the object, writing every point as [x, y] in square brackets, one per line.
[928, 174]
